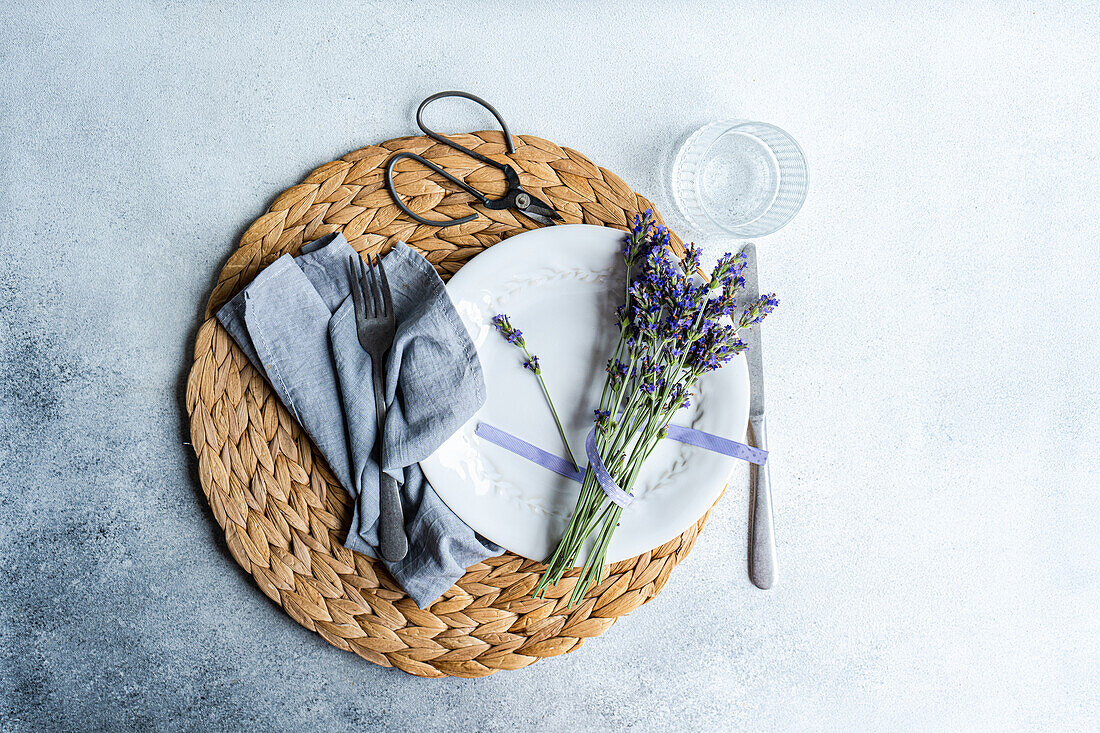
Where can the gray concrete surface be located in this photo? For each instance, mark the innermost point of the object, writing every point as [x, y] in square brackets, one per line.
[932, 370]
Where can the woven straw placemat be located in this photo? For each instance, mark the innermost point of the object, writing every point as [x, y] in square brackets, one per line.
[283, 513]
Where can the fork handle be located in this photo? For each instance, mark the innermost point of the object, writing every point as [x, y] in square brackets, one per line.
[395, 545]
[762, 564]
[391, 517]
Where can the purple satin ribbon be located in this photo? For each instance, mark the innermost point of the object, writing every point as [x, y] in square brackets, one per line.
[603, 476]
[718, 444]
[533, 453]
[691, 436]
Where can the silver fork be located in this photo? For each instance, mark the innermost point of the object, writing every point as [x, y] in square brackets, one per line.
[375, 325]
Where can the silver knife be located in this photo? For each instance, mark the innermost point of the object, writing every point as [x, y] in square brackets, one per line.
[762, 565]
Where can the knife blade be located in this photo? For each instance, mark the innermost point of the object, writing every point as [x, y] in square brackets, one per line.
[762, 561]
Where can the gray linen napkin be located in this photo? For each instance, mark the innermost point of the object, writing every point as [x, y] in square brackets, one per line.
[297, 326]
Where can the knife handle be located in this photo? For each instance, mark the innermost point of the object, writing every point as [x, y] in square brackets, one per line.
[762, 565]
[391, 520]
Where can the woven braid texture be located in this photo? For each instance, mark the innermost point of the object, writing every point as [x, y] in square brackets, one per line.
[283, 513]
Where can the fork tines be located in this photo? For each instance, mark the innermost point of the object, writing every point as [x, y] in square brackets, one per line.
[370, 288]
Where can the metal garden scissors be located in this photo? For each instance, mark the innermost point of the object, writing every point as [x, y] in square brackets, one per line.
[516, 198]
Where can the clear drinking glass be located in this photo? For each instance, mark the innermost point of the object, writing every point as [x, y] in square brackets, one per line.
[739, 178]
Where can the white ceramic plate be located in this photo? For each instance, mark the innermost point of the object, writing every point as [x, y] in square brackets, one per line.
[560, 285]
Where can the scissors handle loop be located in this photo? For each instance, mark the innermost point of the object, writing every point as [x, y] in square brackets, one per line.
[439, 138]
[424, 161]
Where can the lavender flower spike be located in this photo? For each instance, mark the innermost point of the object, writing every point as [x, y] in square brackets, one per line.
[756, 310]
[510, 332]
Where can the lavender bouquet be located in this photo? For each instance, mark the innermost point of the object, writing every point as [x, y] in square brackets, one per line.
[673, 328]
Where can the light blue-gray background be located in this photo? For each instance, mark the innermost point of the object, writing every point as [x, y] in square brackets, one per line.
[932, 371]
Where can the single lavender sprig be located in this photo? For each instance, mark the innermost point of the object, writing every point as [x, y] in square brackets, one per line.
[515, 337]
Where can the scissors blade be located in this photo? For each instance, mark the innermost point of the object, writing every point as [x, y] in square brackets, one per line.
[540, 211]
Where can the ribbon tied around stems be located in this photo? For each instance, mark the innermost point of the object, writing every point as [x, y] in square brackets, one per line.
[603, 476]
[549, 461]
